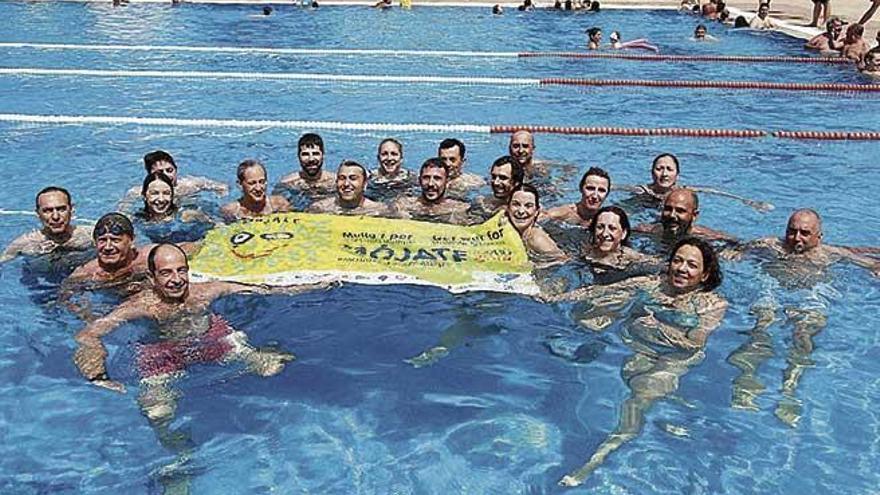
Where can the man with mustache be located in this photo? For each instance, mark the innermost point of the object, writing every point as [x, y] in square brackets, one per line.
[312, 180]
[594, 186]
[432, 204]
[677, 217]
[504, 175]
[189, 332]
[55, 211]
[351, 180]
[459, 182]
[254, 201]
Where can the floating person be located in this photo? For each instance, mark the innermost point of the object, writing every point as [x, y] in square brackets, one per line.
[594, 187]
[609, 253]
[667, 332]
[798, 261]
[189, 333]
[504, 175]
[497, 10]
[351, 180]
[267, 10]
[522, 212]
[829, 42]
[432, 204]
[251, 177]
[57, 235]
[312, 181]
[162, 220]
[594, 38]
[702, 34]
[453, 153]
[678, 216]
[640, 44]
[762, 19]
[184, 186]
[390, 177]
[665, 171]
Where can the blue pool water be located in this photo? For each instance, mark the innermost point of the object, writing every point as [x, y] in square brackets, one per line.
[507, 412]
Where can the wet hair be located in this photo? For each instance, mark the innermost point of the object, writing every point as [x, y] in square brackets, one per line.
[598, 172]
[310, 139]
[594, 7]
[593, 31]
[113, 223]
[711, 266]
[720, 6]
[243, 166]
[740, 22]
[621, 215]
[496, 9]
[51, 189]
[151, 257]
[156, 176]
[390, 140]
[155, 157]
[516, 170]
[614, 34]
[451, 143]
[529, 189]
[855, 30]
[434, 163]
[267, 10]
[352, 163]
[670, 155]
[700, 27]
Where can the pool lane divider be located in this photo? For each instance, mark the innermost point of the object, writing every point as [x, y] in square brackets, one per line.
[434, 53]
[460, 80]
[436, 128]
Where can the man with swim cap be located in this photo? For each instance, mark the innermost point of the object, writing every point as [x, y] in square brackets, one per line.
[677, 217]
[459, 182]
[504, 175]
[254, 202]
[594, 186]
[351, 180]
[55, 211]
[161, 161]
[432, 204]
[118, 260]
[189, 332]
[312, 180]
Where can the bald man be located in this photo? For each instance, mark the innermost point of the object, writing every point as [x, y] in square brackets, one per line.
[189, 332]
[522, 148]
[680, 211]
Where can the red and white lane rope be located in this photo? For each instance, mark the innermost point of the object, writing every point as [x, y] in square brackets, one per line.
[690, 58]
[433, 128]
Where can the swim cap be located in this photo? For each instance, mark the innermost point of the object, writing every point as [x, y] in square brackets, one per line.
[113, 223]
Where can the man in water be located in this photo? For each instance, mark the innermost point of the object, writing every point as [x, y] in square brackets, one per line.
[677, 217]
[522, 148]
[253, 202]
[594, 186]
[798, 261]
[118, 260]
[871, 63]
[351, 180]
[432, 204]
[55, 211]
[830, 41]
[190, 333]
[504, 175]
[453, 154]
[161, 161]
[312, 180]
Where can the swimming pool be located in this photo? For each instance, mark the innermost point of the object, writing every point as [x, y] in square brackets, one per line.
[508, 412]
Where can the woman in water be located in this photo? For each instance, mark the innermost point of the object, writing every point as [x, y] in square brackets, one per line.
[641, 43]
[161, 213]
[608, 252]
[667, 332]
[594, 38]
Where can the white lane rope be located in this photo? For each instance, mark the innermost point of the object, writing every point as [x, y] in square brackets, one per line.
[495, 81]
[278, 51]
[244, 124]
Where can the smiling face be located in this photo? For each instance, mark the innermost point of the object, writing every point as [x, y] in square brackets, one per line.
[608, 233]
[55, 212]
[158, 198]
[679, 212]
[501, 181]
[664, 173]
[113, 250]
[433, 183]
[311, 159]
[803, 233]
[165, 168]
[452, 158]
[522, 211]
[350, 183]
[700, 33]
[686, 269]
[390, 158]
[522, 147]
[594, 191]
[170, 273]
[253, 184]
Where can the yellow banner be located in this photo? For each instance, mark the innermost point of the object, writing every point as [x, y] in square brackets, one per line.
[300, 248]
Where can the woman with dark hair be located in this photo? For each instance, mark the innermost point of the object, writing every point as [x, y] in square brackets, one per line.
[523, 209]
[667, 330]
[160, 210]
[608, 251]
[594, 38]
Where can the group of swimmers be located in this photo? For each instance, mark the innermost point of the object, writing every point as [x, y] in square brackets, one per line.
[679, 270]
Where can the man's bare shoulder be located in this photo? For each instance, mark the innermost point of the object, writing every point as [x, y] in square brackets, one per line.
[326, 205]
[560, 213]
[279, 203]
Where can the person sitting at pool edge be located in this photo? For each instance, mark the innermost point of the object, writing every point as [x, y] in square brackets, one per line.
[55, 210]
[594, 186]
[251, 178]
[828, 42]
[432, 204]
[504, 175]
[522, 213]
[762, 19]
[453, 153]
[351, 180]
[312, 180]
[161, 161]
[680, 210]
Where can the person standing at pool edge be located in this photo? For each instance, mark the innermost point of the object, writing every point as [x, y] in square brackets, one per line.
[55, 211]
